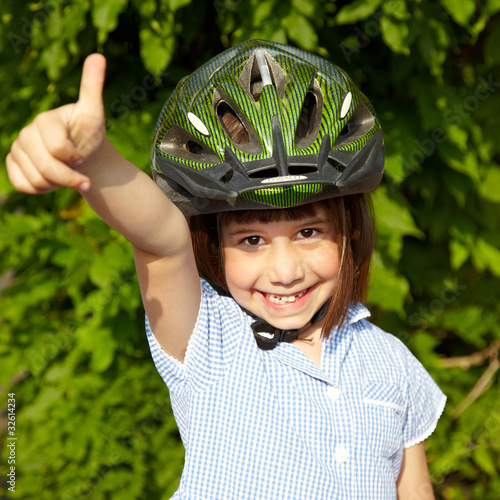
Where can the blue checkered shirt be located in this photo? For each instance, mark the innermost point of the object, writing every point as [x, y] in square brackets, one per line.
[272, 425]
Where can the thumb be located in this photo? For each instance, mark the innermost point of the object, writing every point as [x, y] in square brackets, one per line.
[87, 125]
[92, 83]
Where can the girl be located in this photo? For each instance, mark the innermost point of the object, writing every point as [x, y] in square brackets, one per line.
[280, 386]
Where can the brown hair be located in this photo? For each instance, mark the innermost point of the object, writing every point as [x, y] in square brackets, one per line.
[353, 220]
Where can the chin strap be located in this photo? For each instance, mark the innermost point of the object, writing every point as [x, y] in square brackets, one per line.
[267, 336]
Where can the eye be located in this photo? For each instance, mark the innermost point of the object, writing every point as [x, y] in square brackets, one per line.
[253, 241]
[307, 233]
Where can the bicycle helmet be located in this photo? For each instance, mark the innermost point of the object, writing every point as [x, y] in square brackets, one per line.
[265, 125]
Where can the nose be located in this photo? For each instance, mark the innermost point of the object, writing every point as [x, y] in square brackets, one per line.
[285, 265]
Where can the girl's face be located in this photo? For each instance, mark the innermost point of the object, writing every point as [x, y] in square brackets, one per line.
[282, 271]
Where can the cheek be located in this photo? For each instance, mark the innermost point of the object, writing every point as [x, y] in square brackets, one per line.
[326, 261]
[233, 264]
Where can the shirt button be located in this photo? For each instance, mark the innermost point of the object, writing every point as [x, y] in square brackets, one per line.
[333, 393]
[341, 455]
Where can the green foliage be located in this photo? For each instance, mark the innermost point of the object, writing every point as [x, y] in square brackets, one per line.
[93, 417]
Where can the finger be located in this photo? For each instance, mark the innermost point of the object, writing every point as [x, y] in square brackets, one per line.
[92, 85]
[43, 171]
[52, 128]
[24, 176]
[17, 177]
[86, 124]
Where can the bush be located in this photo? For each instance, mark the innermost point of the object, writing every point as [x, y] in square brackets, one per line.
[92, 415]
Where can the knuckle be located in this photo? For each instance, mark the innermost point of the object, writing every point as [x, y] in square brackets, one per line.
[24, 135]
[58, 148]
[19, 182]
[44, 166]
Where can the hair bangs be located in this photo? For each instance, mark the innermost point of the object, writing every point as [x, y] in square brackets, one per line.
[269, 215]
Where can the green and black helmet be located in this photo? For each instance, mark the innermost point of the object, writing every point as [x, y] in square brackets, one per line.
[264, 125]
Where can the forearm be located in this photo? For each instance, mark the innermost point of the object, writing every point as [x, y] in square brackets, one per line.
[129, 201]
[414, 481]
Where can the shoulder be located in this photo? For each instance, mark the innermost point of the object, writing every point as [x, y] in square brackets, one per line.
[220, 328]
[382, 352]
[371, 336]
[216, 306]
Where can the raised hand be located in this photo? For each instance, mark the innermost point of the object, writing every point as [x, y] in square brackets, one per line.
[51, 151]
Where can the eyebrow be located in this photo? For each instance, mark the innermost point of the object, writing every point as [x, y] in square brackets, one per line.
[248, 229]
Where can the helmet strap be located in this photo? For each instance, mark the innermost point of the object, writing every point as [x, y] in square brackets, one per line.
[268, 337]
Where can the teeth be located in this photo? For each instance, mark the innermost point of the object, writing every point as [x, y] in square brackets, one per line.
[284, 299]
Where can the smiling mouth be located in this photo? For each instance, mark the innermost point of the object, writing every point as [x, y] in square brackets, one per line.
[284, 299]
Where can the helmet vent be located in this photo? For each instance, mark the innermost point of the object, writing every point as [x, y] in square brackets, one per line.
[301, 169]
[226, 178]
[261, 69]
[232, 124]
[358, 125]
[266, 173]
[344, 131]
[307, 117]
[179, 143]
[336, 165]
[256, 87]
[235, 124]
[194, 147]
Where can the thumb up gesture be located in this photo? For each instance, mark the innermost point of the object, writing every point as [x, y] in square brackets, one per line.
[54, 150]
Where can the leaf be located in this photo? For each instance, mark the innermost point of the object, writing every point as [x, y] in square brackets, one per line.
[459, 186]
[393, 215]
[465, 163]
[457, 136]
[486, 255]
[100, 343]
[178, 4]
[147, 8]
[300, 30]
[395, 168]
[459, 253]
[14, 225]
[105, 16]
[394, 34]
[55, 57]
[306, 8]
[489, 187]
[491, 52]
[106, 267]
[103, 354]
[156, 49]
[432, 43]
[469, 322]
[357, 11]
[396, 9]
[493, 6]
[38, 410]
[388, 289]
[483, 457]
[460, 10]
[262, 12]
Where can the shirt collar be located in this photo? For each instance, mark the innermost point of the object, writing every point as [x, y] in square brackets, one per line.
[356, 313]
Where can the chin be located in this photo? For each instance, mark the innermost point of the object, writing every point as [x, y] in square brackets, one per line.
[282, 324]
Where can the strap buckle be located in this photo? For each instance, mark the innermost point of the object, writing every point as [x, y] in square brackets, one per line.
[267, 336]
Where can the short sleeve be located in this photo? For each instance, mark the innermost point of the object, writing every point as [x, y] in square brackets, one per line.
[425, 403]
[395, 378]
[211, 346]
